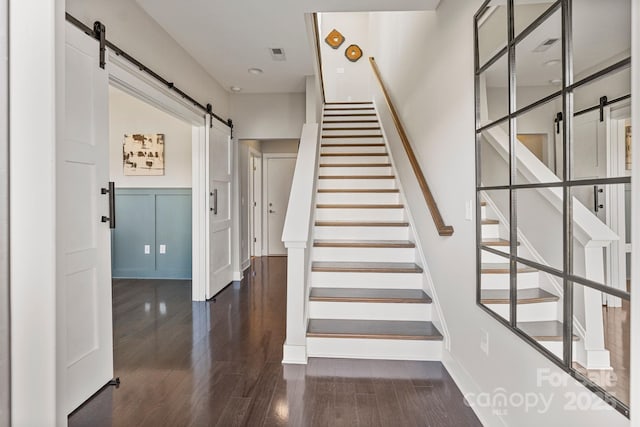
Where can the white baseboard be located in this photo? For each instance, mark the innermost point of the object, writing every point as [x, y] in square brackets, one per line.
[294, 354]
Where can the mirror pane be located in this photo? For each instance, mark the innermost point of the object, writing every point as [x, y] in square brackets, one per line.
[526, 11]
[494, 283]
[539, 62]
[602, 351]
[539, 148]
[540, 222]
[592, 132]
[540, 310]
[492, 31]
[494, 211]
[601, 34]
[494, 155]
[601, 217]
[494, 92]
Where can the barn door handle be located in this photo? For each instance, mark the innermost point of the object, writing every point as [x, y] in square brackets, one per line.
[597, 206]
[214, 194]
[111, 191]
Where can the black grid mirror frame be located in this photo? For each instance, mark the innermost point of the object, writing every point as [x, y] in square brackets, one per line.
[565, 184]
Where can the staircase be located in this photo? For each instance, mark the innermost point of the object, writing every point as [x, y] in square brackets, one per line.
[539, 310]
[367, 297]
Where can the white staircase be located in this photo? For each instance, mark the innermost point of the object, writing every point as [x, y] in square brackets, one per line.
[367, 297]
[539, 309]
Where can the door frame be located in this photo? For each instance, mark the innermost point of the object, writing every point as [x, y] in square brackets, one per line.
[265, 196]
[131, 80]
[5, 359]
[255, 203]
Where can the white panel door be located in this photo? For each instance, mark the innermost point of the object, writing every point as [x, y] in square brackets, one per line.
[220, 161]
[84, 246]
[279, 172]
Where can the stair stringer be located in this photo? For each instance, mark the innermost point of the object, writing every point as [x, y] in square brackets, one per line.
[579, 350]
[437, 316]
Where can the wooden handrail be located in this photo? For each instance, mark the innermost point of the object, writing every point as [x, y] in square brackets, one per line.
[316, 32]
[443, 229]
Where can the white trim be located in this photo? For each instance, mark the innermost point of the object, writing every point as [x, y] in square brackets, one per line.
[255, 196]
[265, 196]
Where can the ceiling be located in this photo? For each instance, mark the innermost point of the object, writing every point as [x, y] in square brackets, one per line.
[229, 37]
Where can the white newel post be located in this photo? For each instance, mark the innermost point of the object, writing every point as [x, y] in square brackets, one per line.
[295, 346]
[596, 353]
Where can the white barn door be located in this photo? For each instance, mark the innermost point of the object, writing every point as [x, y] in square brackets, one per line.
[83, 240]
[220, 208]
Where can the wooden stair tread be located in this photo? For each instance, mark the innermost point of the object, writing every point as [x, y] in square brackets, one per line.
[503, 268]
[348, 102]
[358, 190]
[373, 329]
[490, 222]
[364, 244]
[350, 109]
[410, 296]
[496, 242]
[525, 296]
[351, 114]
[350, 136]
[352, 145]
[357, 206]
[547, 330]
[366, 267]
[354, 128]
[350, 121]
[357, 177]
[362, 224]
[355, 165]
[353, 154]
[483, 203]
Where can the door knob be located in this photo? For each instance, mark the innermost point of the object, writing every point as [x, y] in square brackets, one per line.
[272, 211]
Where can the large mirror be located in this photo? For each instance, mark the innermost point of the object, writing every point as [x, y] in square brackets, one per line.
[554, 165]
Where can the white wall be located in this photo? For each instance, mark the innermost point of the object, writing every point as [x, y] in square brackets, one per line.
[433, 91]
[343, 79]
[268, 116]
[128, 115]
[134, 31]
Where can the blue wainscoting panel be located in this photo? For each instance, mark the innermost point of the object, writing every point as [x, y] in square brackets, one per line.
[154, 217]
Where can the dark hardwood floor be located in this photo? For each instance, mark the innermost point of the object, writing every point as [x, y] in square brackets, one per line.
[184, 363]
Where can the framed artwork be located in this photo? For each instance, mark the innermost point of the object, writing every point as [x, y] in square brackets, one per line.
[143, 155]
[627, 147]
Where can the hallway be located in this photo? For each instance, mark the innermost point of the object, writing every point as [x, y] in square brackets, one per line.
[186, 363]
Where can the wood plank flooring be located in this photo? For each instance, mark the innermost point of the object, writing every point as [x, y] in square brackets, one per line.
[184, 363]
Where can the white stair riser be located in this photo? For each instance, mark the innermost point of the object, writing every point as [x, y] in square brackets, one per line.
[363, 183]
[529, 312]
[353, 159]
[488, 257]
[355, 170]
[362, 233]
[501, 281]
[483, 212]
[353, 108]
[360, 198]
[374, 139]
[335, 127]
[356, 348]
[361, 148]
[323, 279]
[369, 311]
[330, 214]
[490, 231]
[364, 254]
[337, 131]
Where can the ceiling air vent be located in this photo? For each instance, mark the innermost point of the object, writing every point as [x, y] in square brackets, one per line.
[545, 45]
[277, 53]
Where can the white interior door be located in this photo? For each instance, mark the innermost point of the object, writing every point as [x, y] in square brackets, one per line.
[84, 246]
[279, 173]
[220, 161]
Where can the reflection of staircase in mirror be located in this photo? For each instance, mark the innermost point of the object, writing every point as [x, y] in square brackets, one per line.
[539, 311]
